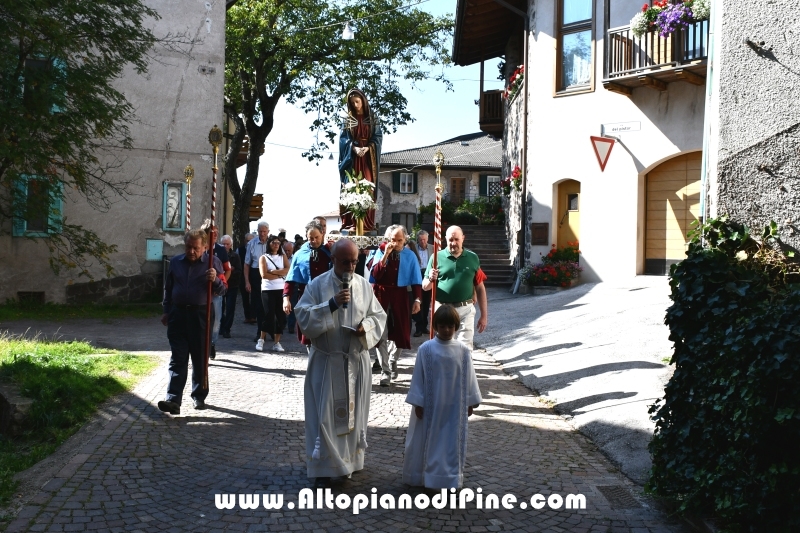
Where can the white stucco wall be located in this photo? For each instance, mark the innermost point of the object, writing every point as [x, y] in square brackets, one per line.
[754, 121]
[176, 102]
[559, 127]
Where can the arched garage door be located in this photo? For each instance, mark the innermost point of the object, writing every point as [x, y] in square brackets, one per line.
[673, 203]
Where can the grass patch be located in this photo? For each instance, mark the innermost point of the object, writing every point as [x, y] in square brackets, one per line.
[13, 310]
[67, 382]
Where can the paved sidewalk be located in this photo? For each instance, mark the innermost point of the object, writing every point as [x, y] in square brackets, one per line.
[598, 352]
[147, 471]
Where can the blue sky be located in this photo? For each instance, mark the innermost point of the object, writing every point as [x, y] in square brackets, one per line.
[296, 190]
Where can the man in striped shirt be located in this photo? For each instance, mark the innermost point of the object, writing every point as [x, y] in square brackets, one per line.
[252, 278]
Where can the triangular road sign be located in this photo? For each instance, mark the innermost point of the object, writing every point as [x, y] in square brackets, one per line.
[602, 149]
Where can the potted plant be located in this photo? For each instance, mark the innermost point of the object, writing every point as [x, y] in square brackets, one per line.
[559, 270]
[666, 17]
[514, 84]
[514, 180]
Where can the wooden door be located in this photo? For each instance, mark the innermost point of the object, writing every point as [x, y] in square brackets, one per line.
[569, 212]
[458, 189]
[673, 203]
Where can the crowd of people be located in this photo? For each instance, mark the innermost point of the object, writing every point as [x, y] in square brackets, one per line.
[341, 302]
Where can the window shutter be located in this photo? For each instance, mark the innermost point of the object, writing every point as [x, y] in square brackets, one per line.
[395, 182]
[415, 189]
[58, 87]
[483, 185]
[56, 192]
[395, 218]
[18, 225]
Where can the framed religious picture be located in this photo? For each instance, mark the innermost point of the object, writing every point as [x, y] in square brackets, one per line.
[173, 212]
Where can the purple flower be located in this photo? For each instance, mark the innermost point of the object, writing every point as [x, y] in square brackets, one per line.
[671, 17]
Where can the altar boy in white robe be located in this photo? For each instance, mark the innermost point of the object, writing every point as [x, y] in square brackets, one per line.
[444, 391]
[343, 324]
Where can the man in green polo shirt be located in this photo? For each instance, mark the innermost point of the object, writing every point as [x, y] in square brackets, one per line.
[460, 282]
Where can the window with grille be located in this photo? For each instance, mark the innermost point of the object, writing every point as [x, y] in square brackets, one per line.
[493, 186]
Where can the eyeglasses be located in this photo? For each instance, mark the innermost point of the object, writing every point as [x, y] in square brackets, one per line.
[346, 262]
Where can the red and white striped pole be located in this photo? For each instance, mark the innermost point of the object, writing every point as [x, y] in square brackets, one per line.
[188, 208]
[215, 138]
[438, 161]
[188, 173]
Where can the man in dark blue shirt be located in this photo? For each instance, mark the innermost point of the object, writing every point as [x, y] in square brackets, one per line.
[185, 293]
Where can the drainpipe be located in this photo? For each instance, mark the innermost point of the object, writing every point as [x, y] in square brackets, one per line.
[523, 207]
[716, 14]
[523, 217]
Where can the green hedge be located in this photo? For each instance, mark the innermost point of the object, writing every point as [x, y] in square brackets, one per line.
[727, 439]
[485, 210]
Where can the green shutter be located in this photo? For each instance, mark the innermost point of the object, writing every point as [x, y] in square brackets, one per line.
[59, 85]
[415, 189]
[395, 218]
[18, 225]
[56, 192]
[483, 185]
[395, 182]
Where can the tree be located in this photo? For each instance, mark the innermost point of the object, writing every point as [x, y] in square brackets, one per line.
[281, 49]
[62, 122]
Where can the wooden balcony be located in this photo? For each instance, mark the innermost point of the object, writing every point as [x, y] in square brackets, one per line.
[241, 158]
[654, 61]
[492, 112]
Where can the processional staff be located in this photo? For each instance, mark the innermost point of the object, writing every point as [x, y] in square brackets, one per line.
[188, 173]
[215, 138]
[438, 161]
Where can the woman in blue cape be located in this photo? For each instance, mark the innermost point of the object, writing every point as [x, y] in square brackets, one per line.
[311, 260]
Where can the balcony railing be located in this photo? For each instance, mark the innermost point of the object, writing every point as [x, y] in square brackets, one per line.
[653, 60]
[492, 112]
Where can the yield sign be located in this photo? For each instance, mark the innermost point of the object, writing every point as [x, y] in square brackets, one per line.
[602, 149]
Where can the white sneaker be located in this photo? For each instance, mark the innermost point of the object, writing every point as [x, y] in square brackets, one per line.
[278, 348]
[260, 345]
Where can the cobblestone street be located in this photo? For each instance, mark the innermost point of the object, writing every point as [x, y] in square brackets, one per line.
[148, 471]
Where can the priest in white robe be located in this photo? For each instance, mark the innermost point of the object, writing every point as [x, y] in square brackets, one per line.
[445, 386]
[343, 324]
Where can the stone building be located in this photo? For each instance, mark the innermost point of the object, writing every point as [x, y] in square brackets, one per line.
[408, 178]
[176, 102]
[587, 76]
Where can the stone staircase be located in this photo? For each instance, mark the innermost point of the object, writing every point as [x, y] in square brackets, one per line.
[491, 245]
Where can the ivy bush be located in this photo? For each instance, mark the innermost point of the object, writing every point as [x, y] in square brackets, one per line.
[727, 438]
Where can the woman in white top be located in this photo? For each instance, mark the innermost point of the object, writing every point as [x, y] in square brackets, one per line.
[273, 267]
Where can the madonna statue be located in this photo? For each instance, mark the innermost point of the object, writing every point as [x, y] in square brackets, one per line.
[360, 148]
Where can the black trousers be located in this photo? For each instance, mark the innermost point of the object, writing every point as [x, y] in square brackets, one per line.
[421, 321]
[245, 300]
[256, 307]
[274, 317]
[229, 310]
[186, 331]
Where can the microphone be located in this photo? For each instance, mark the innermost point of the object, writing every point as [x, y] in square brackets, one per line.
[346, 277]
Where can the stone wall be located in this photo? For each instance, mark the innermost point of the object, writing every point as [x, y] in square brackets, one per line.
[512, 155]
[121, 289]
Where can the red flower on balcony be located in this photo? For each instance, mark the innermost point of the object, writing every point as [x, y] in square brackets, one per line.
[515, 84]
